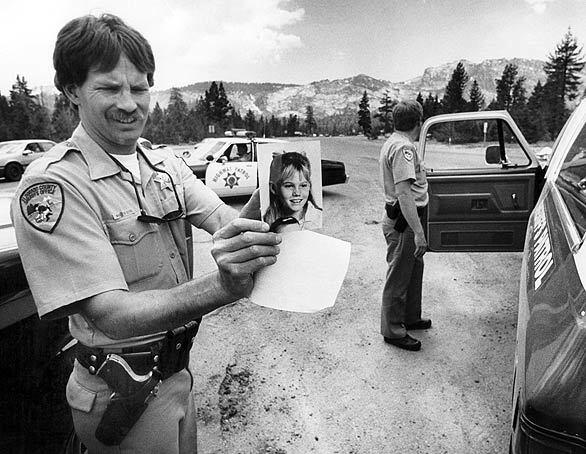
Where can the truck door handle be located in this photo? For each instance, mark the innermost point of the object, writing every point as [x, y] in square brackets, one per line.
[515, 202]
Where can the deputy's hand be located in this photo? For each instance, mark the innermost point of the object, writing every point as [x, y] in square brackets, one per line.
[241, 248]
[420, 245]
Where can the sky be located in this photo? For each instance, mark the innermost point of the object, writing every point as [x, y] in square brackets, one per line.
[295, 41]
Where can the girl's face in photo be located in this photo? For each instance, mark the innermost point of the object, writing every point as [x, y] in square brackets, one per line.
[294, 191]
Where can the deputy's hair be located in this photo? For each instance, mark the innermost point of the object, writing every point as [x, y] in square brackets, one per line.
[406, 115]
[89, 42]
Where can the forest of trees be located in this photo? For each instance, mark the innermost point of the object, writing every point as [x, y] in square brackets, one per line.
[540, 116]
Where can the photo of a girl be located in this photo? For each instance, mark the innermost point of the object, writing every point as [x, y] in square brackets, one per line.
[292, 204]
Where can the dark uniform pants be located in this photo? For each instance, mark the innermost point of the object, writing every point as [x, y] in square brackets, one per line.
[401, 302]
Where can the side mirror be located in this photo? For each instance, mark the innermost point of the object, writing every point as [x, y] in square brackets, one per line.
[223, 159]
[27, 152]
[493, 154]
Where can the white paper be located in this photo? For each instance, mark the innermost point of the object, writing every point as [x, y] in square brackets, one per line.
[308, 274]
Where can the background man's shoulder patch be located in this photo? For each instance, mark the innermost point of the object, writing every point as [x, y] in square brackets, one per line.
[41, 205]
[408, 154]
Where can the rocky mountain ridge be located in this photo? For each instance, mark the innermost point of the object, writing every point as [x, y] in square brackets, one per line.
[341, 96]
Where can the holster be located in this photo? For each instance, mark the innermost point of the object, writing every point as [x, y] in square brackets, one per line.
[129, 400]
[394, 212]
[133, 391]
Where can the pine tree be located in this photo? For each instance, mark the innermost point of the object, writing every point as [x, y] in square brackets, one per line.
[504, 87]
[364, 120]
[5, 133]
[310, 124]
[276, 127]
[26, 117]
[431, 106]
[64, 118]
[175, 126]
[223, 107]
[536, 125]
[563, 80]
[292, 124]
[154, 128]
[454, 97]
[476, 102]
[385, 113]
[250, 121]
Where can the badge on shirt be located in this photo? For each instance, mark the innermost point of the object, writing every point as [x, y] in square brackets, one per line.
[42, 205]
[408, 154]
[164, 181]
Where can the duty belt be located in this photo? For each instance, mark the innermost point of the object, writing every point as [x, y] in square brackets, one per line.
[167, 356]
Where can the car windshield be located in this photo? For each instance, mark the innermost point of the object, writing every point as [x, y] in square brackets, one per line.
[10, 147]
[206, 148]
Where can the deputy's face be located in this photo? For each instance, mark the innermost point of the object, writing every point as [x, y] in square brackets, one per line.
[294, 192]
[113, 106]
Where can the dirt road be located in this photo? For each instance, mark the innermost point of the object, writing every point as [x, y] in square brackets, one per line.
[268, 381]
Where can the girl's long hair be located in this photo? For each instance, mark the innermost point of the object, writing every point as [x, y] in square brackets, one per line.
[283, 167]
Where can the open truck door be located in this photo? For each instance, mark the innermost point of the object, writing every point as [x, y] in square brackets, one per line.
[483, 182]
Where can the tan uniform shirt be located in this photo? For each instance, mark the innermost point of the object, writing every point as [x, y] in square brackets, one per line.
[400, 161]
[75, 216]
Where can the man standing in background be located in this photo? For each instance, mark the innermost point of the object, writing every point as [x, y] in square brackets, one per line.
[405, 187]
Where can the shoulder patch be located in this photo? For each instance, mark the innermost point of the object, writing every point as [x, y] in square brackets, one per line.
[42, 205]
[408, 154]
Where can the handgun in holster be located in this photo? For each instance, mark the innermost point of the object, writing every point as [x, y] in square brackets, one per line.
[129, 400]
[394, 212]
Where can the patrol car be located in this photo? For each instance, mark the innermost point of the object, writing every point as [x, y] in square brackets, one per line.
[228, 165]
[488, 192]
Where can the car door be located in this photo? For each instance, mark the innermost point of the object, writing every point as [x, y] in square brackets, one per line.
[483, 182]
[234, 172]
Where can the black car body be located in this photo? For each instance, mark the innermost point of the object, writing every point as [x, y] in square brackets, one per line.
[34, 416]
[489, 192]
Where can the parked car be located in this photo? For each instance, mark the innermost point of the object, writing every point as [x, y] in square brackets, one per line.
[15, 155]
[234, 155]
[488, 192]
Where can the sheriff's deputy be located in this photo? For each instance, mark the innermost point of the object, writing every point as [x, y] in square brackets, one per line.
[100, 228]
[405, 188]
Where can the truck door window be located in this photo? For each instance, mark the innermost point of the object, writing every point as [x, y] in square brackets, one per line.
[571, 181]
[463, 144]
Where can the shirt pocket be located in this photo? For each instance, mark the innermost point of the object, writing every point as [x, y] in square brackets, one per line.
[138, 247]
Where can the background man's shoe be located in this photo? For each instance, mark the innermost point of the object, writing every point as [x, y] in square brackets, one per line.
[406, 343]
[424, 323]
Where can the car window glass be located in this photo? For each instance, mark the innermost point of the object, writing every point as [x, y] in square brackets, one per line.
[463, 144]
[33, 146]
[571, 181]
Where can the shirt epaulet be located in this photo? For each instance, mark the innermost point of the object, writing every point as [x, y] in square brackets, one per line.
[55, 154]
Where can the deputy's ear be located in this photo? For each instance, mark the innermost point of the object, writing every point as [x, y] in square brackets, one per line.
[273, 188]
[72, 93]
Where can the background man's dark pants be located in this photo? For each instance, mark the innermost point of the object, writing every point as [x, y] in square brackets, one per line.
[401, 302]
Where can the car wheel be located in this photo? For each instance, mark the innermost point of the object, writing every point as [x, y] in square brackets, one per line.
[13, 171]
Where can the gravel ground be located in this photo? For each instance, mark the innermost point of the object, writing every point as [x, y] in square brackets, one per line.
[268, 381]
